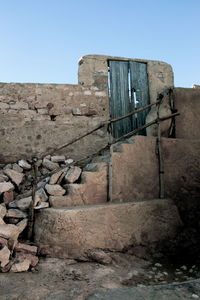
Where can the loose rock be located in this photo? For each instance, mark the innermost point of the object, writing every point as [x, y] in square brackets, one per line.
[24, 164]
[4, 256]
[73, 174]
[8, 197]
[22, 204]
[6, 186]
[55, 189]
[3, 211]
[16, 177]
[20, 266]
[16, 213]
[58, 158]
[50, 165]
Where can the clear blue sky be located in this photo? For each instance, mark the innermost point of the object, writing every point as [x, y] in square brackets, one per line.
[42, 40]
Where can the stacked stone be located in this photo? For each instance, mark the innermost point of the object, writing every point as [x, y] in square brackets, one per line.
[16, 198]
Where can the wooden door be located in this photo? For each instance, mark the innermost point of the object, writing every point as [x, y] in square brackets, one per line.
[128, 86]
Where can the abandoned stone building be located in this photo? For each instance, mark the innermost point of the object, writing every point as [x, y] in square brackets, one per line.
[76, 176]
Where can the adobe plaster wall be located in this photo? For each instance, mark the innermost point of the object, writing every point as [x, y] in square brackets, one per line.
[38, 117]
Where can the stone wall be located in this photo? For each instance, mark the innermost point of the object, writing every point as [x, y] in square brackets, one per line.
[93, 70]
[39, 117]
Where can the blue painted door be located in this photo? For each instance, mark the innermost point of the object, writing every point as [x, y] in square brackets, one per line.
[128, 87]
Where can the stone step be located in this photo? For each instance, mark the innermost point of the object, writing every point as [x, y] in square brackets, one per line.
[71, 232]
[93, 188]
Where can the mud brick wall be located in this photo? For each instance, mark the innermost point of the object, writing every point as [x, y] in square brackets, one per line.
[37, 117]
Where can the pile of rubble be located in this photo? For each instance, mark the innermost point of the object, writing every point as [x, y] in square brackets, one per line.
[16, 182]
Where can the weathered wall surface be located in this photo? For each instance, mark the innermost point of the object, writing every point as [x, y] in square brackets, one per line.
[135, 174]
[37, 117]
[93, 70]
[135, 169]
[187, 102]
[71, 232]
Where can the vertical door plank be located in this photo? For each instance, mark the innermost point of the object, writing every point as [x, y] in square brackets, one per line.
[120, 101]
[139, 84]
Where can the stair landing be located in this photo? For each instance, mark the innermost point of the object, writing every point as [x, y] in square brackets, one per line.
[71, 232]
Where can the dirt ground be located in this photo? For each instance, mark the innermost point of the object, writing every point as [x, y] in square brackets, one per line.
[64, 279]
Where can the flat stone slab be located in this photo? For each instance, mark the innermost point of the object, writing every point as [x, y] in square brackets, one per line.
[71, 232]
[180, 291]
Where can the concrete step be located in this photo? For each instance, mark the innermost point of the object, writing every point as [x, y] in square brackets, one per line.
[71, 232]
[93, 188]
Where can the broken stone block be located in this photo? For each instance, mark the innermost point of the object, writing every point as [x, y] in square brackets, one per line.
[40, 196]
[73, 174]
[15, 213]
[42, 205]
[100, 256]
[8, 197]
[49, 164]
[32, 258]
[24, 164]
[20, 247]
[54, 178]
[22, 225]
[3, 211]
[3, 178]
[6, 186]
[69, 161]
[3, 242]
[58, 158]
[4, 256]
[16, 177]
[54, 189]
[1, 221]
[22, 204]
[8, 166]
[17, 168]
[9, 231]
[21, 265]
[58, 176]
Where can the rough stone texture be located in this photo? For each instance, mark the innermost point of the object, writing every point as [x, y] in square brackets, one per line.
[55, 177]
[8, 197]
[21, 265]
[26, 248]
[3, 211]
[4, 256]
[49, 164]
[40, 196]
[22, 204]
[92, 189]
[9, 231]
[93, 70]
[6, 186]
[54, 189]
[135, 169]
[187, 102]
[24, 164]
[16, 177]
[31, 258]
[73, 174]
[39, 116]
[16, 213]
[71, 232]
[58, 158]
